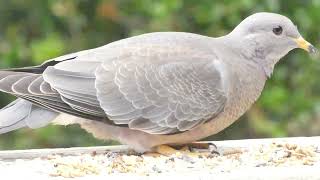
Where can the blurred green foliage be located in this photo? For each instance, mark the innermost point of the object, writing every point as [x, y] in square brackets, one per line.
[32, 31]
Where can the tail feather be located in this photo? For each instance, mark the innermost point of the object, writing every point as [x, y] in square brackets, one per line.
[31, 109]
[14, 126]
[40, 117]
[14, 112]
[22, 113]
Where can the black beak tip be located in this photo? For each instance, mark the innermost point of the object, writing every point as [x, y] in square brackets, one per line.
[313, 50]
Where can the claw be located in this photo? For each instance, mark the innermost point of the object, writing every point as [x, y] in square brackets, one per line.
[191, 149]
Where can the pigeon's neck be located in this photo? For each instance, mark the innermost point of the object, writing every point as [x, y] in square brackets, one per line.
[268, 67]
[254, 51]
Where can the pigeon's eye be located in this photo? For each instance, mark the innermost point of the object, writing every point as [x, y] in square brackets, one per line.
[277, 30]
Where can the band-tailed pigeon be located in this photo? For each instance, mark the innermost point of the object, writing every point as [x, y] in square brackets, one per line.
[153, 89]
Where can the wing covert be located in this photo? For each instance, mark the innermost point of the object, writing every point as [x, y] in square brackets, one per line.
[170, 96]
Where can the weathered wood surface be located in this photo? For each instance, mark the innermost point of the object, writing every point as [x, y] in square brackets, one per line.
[35, 163]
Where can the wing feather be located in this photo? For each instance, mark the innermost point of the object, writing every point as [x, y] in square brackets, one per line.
[170, 97]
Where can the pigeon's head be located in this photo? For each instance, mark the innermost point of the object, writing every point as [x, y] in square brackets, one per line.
[268, 37]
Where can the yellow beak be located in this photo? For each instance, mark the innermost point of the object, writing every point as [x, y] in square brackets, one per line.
[303, 44]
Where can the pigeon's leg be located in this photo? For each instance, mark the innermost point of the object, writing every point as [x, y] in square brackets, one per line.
[211, 148]
[191, 149]
[199, 147]
[202, 146]
[164, 150]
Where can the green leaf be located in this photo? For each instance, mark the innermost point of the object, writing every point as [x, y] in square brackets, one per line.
[49, 47]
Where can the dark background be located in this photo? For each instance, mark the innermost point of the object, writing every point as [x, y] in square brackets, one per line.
[32, 31]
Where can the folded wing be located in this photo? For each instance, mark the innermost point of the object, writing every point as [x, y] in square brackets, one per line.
[157, 85]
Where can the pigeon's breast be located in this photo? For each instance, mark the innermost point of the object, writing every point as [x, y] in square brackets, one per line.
[247, 81]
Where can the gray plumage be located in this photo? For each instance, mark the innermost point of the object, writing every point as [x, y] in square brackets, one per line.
[156, 88]
[22, 113]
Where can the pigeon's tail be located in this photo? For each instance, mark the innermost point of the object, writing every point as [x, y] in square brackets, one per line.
[21, 113]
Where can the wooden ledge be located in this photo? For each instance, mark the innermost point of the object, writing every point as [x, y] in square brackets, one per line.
[279, 158]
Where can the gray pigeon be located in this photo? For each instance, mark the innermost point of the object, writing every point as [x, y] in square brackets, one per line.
[153, 89]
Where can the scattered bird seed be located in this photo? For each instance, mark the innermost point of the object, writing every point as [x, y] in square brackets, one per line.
[273, 155]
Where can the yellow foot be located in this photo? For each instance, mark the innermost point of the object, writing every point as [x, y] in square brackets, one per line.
[161, 150]
[200, 146]
[166, 150]
[191, 149]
